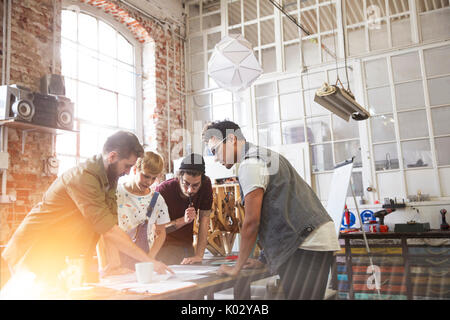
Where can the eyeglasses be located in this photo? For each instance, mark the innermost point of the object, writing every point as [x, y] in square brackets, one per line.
[216, 146]
[193, 186]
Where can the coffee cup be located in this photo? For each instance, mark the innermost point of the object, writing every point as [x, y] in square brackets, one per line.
[144, 272]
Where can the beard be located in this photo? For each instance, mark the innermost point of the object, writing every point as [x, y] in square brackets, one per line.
[113, 173]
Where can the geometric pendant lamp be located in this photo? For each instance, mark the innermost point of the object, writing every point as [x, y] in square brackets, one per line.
[233, 64]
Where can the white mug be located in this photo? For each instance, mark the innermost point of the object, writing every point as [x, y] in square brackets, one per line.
[144, 272]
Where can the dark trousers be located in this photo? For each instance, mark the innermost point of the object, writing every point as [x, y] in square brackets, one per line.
[305, 275]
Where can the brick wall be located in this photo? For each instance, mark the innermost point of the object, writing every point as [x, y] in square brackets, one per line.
[32, 56]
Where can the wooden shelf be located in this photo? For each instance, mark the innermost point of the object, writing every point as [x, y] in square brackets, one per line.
[18, 124]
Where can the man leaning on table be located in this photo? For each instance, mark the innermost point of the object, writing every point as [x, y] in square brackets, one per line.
[281, 211]
[76, 210]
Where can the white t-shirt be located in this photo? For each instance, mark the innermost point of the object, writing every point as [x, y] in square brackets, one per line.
[132, 211]
[253, 174]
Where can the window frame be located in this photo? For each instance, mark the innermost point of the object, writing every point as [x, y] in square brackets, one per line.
[100, 15]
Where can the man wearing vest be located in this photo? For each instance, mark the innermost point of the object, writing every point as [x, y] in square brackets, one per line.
[282, 213]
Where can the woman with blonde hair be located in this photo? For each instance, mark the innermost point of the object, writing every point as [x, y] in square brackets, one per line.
[142, 212]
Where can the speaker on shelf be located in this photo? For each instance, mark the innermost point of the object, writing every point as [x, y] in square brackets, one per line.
[64, 113]
[16, 102]
[53, 84]
[20, 103]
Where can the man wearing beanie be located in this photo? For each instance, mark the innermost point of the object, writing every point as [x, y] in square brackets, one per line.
[189, 193]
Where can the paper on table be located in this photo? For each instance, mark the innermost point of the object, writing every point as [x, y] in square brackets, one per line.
[161, 282]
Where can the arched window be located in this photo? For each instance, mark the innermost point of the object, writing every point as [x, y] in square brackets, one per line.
[99, 67]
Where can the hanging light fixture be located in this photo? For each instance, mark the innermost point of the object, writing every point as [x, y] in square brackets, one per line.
[233, 64]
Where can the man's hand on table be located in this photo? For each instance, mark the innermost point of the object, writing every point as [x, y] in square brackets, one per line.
[192, 260]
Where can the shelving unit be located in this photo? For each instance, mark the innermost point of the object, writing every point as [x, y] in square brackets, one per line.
[412, 266]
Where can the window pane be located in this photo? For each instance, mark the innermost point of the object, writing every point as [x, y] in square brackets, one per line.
[197, 62]
[320, 129]
[386, 156]
[383, 128]
[213, 39]
[269, 60]
[107, 73]
[346, 150]
[250, 10]
[376, 73]
[66, 143]
[202, 100]
[221, 97]
[68, 59]
[314, 80]
[211, 21]
[125, 79]
[125, 50]
[416, 153]
[127, 107]
[69, 25]
[251, 34]
[380, 100]
[202, 114]
[413, 124]
[293, 132]
[265, 9]
[443, 151]
[322, 157]
[401, 30]
[210, 6]
[240, 113]
[87, 31]
[343, 130]
[223, 112]
[194, 10]
[88, 66]
[409, 95]
[269, 135]
[107, 39]
[87, 101]
[234, 13]
[291, 106]
[106, 110]
[439, 90]
[311, 52]
[440, 118]
[437, 61]
[196, 44]
[71, 89]
[289, 85]
[406, 67]
[266, 89]
[292, 57]
[198, 81]
[92, 139]
[267, 110]
[378, 35]
[267, 30]
[194, 25]
[65, 163]
[312, 108]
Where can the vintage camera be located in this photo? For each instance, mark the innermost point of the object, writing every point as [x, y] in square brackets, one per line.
[20, 103]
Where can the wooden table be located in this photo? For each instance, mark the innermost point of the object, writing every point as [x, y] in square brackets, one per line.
[205, 287]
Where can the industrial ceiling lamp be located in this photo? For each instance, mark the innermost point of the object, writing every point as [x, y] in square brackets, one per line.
[337, 100]
[233, 64]
[341, 102]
